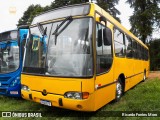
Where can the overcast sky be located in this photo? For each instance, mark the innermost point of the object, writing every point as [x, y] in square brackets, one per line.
[12, 10]
[9, 18]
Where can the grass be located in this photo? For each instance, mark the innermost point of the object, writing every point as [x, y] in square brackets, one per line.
[143, 97]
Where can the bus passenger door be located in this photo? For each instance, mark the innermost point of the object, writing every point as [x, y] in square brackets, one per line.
[104, 87]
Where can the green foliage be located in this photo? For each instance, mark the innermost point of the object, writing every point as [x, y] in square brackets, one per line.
[154, 49]
[60, 3]
[109, 6]
[34, 10]
[145, 17]
[29, 14]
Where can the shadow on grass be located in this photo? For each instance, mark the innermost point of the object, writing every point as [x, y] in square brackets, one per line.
[25, 106]
[58, 112]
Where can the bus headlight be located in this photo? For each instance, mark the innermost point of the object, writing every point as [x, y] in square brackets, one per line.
[25, 87]
[15, 82]
[76, 95]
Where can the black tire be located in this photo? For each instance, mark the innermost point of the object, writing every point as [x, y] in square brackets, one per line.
[119, 90]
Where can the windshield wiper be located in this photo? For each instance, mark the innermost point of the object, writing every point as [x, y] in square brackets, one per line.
[41, 29]
[56, 33]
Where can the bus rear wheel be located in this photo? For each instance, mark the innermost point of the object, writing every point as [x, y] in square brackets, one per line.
[144, 76]
[119, 90]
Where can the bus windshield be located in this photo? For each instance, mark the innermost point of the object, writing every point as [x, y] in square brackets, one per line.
[9, 56]
[67, 54]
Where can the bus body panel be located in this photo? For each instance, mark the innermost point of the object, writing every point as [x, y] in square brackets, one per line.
[133, 71]
[104, 85]
[56, 88]
[57, 85]
[104, 95]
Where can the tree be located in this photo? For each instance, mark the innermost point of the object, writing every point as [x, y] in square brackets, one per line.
[108, 5]
[29, 14]
[146, 15]
[33, 10]
[154, 46]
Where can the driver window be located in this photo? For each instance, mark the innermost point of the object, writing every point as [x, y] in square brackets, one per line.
[38, 46]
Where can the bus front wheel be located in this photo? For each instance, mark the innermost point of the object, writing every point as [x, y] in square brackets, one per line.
[119, 90]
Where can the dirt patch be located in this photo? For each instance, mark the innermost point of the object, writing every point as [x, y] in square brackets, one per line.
[154, 74]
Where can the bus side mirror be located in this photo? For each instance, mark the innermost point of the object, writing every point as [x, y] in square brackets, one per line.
[107, 36]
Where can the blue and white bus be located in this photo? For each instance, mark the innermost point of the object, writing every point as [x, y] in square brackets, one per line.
[11, 53]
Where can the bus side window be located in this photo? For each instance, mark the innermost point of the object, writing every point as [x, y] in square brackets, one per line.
[135, 52]
[129, 50]
[119, 43]
[104, 48]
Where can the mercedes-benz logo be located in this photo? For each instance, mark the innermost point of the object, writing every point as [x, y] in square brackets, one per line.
[44, 92]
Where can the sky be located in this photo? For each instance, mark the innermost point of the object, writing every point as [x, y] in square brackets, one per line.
[126, 12]
[12, 10]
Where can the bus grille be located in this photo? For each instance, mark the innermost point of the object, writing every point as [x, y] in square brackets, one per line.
[4, 78]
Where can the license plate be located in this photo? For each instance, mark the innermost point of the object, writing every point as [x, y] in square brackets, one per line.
[45, 102]
[14, 92]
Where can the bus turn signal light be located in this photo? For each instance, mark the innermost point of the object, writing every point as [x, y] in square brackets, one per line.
[85, 95]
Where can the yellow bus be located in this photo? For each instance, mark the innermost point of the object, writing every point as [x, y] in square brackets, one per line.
[79, 57]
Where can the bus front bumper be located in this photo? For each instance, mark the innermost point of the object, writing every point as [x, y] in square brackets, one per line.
[11, 91]
[60, 101]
